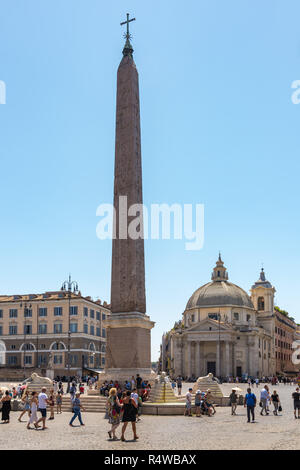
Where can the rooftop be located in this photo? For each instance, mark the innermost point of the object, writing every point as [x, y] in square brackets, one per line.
[51, 295]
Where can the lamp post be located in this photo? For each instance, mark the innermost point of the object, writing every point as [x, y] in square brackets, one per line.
[27, 308]
[70, 287]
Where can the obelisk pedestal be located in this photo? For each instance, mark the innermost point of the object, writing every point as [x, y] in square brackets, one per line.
[128, 350]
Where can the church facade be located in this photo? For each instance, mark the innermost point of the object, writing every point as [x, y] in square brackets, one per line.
[224, 331]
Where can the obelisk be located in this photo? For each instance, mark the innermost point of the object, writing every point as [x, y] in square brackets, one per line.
[128, 349]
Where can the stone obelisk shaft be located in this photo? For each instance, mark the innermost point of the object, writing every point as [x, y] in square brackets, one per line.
[128, 346]
[128, 267]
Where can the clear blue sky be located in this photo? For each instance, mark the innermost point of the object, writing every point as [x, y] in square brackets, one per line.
[218, 128]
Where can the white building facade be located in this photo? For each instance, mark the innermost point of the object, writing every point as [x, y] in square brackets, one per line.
[224, 332]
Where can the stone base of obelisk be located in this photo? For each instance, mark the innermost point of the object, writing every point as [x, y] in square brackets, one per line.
[128, 347]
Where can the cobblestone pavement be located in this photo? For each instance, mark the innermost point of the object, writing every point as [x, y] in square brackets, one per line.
[221, 431]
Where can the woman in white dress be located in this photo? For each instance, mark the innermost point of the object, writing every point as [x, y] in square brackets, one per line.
[33, 408]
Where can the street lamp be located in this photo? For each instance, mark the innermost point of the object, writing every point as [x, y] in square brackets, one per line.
[70, 287]
[27, 309]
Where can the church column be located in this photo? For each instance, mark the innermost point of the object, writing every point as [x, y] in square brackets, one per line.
[227, 359]
[189, 359]
[197, 360]
[233, 360]
[218, 371]
[202, 370]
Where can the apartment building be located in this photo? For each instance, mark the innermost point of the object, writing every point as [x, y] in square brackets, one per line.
[60, 330]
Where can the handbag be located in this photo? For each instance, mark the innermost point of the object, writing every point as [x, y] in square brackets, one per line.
[260, 404]
[280, 407]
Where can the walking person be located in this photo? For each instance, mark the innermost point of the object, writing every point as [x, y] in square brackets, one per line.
[135, 397]
[33, 407]
[129, 415]
[72, 391]
[276, 401]
[76, 409]
[198, 403]
[188, 403]
[26, 401]
[296, 398]
[6, 407]
[179, 385]
[210, 401]
[133, 383]
[264, 397]
[233, 401]
[139, 381]
[58, 401]
[250, 402]
[42, 407]
[51, 404]
[114, 411]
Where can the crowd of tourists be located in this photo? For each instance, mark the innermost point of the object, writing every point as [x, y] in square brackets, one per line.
[203, 402]
[124, 404]
[266, 400]
[143, 387]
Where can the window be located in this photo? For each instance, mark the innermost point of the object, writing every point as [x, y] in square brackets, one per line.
[42, 346]
[73, 359]
[13, 313]
[1, 330]
[57, 328]
[92, 313]
[27, 347]
[260, 303]
[43, 329]
[85, 328]
[248, 317]
[57, 346]
[13, 329]
[103, 361]
[97, 331]
[57, 359]
[92, 330]
[12, 360]
[73, 310]
[193, 318]
[85, 312]
[213, 316]
[103, 316]
[28, 360]
[42, 312]
[12, 346]
[27, 329]
[27, 312]
[97, 315]
[1, 313]
[42, 359]
[58, 311]
[103, 333]
[73, 327]
[236, 316]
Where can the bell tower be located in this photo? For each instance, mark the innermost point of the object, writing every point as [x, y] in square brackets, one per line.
[262, 295]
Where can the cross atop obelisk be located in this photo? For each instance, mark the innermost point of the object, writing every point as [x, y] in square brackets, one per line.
[128, 50]
[127, 35]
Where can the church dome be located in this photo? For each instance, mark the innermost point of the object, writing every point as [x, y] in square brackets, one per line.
[219, 292]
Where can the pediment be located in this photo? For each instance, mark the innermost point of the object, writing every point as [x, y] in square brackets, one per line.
[209, 325]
